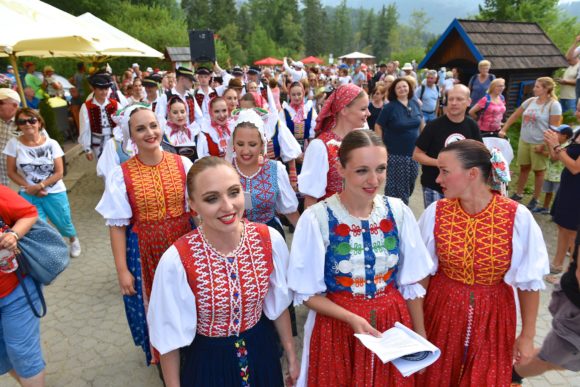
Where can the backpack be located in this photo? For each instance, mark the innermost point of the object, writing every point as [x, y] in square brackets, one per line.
[423, 91]
[488, 102]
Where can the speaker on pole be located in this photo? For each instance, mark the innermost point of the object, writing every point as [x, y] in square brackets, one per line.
[202, 46]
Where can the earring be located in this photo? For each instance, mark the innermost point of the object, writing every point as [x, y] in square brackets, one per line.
[261, 160]
[343, 183]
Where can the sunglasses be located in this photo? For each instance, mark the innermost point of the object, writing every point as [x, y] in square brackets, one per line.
[24, 121]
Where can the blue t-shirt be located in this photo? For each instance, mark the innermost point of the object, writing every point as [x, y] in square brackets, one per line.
[400, 126]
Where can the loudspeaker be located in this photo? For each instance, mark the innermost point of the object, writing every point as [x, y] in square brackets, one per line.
[202, 46]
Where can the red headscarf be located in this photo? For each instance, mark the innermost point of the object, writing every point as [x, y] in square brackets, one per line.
[258, 99]
[337, 101]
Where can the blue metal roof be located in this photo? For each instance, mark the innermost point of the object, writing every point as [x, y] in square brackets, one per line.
[455, 25]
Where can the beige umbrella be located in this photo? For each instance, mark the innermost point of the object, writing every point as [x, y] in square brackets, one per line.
[137, 48]
[34, 28]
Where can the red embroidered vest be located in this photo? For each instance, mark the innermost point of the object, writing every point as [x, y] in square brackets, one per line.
[475, 249]
[229, 291]
[94, 111]
[333, 179]
[212, 147]
[200, 96]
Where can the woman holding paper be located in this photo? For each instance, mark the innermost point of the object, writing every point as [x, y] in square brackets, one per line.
[484, 244]
[356, 262]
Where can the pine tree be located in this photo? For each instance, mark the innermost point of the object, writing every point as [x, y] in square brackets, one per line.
[196, 13]
[314, 28]
[222, 13]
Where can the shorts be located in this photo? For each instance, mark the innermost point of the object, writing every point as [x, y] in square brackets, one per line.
[20, 333]
[527, 156]
[550, 186]
[562, 344]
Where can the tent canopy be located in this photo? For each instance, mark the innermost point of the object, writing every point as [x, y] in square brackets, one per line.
[356, 55]
[269, 61]
[312, 60]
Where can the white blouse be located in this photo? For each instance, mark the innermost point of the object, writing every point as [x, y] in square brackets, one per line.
[110, 158]
[172, 314]
[307, 107]
[312, 178]
[114, 204]
[530, 261]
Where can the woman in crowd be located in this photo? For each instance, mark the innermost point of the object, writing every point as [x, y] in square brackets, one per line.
[484, 245]
[345, 110]
[232, 100]
[215, 132]
[376, 105]
[273, 83]
[479, 83]
[228, 340]
[387, 82]
[356, 262]
[266, 181]
[299, 117]
[538, 114]
[146, 194]
[489, 110]
[565, 211]
[20, 348]
[137, 94]
[178, 136]
[35, 163]
[399, 125]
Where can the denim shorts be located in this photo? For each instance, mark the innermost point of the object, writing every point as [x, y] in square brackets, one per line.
[20, 333]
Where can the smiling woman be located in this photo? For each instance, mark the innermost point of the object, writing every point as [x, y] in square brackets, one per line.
[144, 205]
[227, 331]
[357, 260]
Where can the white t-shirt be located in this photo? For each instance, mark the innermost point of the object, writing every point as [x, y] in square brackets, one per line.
[36, 163]
[536, 119]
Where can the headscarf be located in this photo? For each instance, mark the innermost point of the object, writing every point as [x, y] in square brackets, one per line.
[122, 120]
[248, 116]
[298, 107]
[337, 101]
[258, 99]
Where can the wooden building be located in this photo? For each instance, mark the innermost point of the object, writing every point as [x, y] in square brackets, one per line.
[178, 56]
[519, 52]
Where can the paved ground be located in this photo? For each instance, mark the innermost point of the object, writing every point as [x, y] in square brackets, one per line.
[85, 335]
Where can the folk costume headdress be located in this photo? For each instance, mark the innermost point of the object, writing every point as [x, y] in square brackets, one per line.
[337, 101]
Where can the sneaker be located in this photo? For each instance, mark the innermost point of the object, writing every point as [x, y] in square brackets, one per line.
[532, 204]
[541, 210]
[75, 248]
[516, 197]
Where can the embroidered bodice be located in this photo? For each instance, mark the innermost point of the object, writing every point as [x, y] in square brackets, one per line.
[264, 190]
[362, 254]
[229, 291]
[475, 249]
[155, 192]
[333, 180]
[300, 130]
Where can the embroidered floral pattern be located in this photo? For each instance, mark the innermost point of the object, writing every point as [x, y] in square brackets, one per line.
[242, 353]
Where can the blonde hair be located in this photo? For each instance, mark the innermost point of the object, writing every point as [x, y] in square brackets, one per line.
[494, 83]
[548, 84]
[483, 63]
[411, 81]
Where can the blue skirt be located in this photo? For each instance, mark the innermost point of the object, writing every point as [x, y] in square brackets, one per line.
[134, 307]
[250, 359]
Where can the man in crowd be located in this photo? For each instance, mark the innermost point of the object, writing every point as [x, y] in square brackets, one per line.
[95, 118]
[358, 78]
[455, 125]
[183, 90]
[151, 85]
[204, 92]
[428, 94]
[296, 72]
[9, 101]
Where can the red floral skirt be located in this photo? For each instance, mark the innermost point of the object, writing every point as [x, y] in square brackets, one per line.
[337, 357]
[474, 326]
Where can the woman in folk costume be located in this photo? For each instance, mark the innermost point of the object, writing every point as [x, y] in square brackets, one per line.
[215, 290]
[147, 195]
[357, 260]
[266, 181]
[345, 110]
[281, 146]
[179, 136]
[299, 117]
[215, 132]
[483, 244]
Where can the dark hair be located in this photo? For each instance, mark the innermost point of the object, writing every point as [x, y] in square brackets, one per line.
[357, 139]
[201, 165]
[173, 100]
[392, 95]
[273, 83]
[472, 154]
[248, 97]
[30, 113]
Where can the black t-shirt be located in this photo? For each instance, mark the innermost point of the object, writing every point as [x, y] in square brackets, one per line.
[437, 135]
[569, 282]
